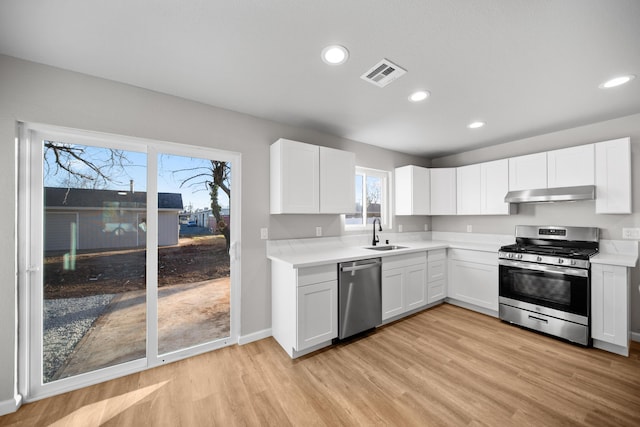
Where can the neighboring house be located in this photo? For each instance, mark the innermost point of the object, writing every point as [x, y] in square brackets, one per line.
[203, 218]
[102, 219]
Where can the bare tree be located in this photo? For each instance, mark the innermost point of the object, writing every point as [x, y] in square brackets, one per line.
[216, 175]
[83, 170]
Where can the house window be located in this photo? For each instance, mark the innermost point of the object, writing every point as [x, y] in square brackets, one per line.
[372, 199]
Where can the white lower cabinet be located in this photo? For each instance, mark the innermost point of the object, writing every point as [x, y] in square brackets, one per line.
[304, 306]
[473, 278]
[436, 275]
[393, 289]
[404, 284]
[610, 308]
[317, 314]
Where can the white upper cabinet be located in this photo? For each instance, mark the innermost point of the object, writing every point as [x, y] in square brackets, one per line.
[294, 177]
[468, 190]
[494, 181]
[481, 188]
[613, 176]
[570, 167]
[337, 181]
[306, 179]
[412, 191]
[443, 191]
[528, 172]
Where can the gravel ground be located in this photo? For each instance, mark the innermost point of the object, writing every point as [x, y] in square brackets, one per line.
[65, 323]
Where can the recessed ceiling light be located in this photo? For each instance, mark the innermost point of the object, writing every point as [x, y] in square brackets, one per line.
[617, 81]
[475, 125]
[335, 55]
[418, 96]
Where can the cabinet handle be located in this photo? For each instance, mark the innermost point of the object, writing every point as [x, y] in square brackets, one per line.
[359, 267]
[538, 319]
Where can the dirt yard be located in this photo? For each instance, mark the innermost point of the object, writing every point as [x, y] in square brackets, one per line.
[194, 259]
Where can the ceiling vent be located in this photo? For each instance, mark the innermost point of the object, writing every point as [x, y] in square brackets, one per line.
[383, 73]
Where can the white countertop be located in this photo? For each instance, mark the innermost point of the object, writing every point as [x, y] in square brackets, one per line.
[623, 260]
[622, 253]
[300, 253]
[329, 255]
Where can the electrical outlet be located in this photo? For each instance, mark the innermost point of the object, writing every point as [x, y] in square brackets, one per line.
[469, 228]
[399, 228]
[631, 233]
[264, 233]
[318, 231]
[426, 227]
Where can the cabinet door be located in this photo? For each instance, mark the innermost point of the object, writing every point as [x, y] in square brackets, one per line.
[415, 287]
[474, 283]
[443, 191]
[571, 167]
[392, 292]
[468, 192]
[317, 314]
[613, 176]
[294, 177]
[337, 181]
[609, 304]
[528, 172]
[494, 181]
[412, 191]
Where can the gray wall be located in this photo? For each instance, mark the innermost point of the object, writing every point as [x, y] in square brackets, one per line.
[578, 213]
[36, 93]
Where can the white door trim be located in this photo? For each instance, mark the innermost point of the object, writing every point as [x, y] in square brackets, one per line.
[30, 256]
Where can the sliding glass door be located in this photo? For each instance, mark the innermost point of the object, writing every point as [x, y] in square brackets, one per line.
[127, 253]
[194, 275]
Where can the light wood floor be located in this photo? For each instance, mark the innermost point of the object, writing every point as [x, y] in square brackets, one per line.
[444, 366]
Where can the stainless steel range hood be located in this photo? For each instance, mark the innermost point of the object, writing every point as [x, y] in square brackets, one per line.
[560, 194]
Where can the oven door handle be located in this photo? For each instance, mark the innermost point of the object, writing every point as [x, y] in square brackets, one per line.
[545, 268]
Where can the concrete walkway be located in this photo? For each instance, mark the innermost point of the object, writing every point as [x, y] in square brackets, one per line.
[188, 315]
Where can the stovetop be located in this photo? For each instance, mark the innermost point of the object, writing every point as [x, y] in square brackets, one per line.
[565, 247]
[559, 251]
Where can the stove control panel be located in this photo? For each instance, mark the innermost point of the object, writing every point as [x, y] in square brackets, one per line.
[542, 259]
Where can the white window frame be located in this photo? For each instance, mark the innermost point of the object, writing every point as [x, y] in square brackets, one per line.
[385, 203]
[30, 227]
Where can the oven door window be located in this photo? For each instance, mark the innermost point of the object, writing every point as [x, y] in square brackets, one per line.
[554, 290]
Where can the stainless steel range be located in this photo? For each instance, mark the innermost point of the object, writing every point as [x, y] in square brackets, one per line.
[545, 280]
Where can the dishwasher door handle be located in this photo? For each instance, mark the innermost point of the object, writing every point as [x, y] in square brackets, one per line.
[360, 267]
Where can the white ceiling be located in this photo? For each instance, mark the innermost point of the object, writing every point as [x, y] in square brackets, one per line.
[524, 67]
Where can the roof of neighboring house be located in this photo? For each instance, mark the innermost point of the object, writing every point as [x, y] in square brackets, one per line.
[85, 198]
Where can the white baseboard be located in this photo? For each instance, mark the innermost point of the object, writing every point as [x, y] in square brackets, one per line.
[472, 307]
[11, 405]
[635, 336]
[255, 336]
[611, 348]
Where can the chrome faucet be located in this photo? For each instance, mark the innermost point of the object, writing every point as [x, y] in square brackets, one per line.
[375, 238]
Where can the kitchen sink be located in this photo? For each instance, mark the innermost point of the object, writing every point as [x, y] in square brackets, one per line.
[385, 248]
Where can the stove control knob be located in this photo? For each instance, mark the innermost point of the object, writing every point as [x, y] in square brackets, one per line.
[539, 259]
[510, 255]
[573, 262]
[519, 256]
[560, 261]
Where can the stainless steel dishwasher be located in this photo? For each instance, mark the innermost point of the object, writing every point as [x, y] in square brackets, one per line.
[359, 296]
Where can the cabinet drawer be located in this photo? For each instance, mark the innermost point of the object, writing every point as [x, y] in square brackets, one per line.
[400, 261]
[436, 291]
[436, 270]
[318, 274]
[437, 255]
[481, 257]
